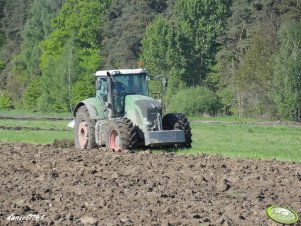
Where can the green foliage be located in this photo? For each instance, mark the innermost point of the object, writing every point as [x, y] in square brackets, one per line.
[49, 49]
[157, 51]
[213, 79]
[199, 23]
[195, 101]
[184, 49]
[25, 64]
[124, 28]
[5, 102]
[214, 82]
[246, 59]
[157, 43]
[79, 20]
[32, 94]
[83, 89]
[13, 15]
[84, 86]
[227, 99]
[70, 55]
[56, 80]
[51, 90]
[287, 80]
[239, 61]
[253, 76]
[36, 29]
[2, 65]
[17, 81]
[2, 39]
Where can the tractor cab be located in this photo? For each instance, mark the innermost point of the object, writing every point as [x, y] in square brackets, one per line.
[124, 82]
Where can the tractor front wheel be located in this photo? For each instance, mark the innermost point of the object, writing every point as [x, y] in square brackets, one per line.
[84, 129]
[122, 135]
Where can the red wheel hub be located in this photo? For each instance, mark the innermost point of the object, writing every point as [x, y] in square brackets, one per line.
[114, 140]
[83, 134]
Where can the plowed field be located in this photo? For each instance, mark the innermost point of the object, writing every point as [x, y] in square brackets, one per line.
[72, 187]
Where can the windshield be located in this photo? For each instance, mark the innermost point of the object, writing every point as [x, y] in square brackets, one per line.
[130, 84]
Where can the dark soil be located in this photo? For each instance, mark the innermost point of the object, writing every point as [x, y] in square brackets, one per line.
[72, 187]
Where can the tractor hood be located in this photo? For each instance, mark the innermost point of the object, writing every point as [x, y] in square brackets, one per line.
[143, 111]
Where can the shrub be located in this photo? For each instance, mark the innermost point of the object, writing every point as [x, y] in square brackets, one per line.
[5, 102]
[32, 94]
[83, 89]
[2, 65]
[195, 101]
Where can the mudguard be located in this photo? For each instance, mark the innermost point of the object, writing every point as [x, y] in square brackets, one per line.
[96, 108]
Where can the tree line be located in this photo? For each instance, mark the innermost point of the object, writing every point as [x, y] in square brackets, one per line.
[234, 56]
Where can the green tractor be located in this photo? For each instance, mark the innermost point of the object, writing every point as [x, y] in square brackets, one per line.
[122, 116]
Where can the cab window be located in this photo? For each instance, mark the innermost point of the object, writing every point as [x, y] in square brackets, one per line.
[102, 88]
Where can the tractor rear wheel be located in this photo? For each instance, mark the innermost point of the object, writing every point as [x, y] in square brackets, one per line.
[84, 129]
[122, 135]
[174, 121]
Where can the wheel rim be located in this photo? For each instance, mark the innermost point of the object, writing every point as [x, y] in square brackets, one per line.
[83, 134]
[114, 140]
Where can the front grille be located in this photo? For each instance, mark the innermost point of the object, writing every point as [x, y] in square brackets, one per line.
[149, 109]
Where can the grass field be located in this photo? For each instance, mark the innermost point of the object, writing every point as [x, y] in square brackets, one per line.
[43, 124]
[28, 113]
[34, 136]
[244, 140]
[49, 130]
[231, 136]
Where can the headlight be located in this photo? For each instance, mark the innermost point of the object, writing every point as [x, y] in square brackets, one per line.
[148, 123]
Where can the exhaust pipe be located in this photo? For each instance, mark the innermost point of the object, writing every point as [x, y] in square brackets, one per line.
[110, 104]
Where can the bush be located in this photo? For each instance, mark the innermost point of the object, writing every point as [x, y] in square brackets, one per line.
[32, 94]
[195, 101]
[83, 89]
[5, 102]
[2, 65]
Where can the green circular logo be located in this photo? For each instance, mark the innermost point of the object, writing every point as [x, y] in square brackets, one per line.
[282, 215]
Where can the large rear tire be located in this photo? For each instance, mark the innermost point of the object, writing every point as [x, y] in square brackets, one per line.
[84, 129]
[174, 121]
[122, 135]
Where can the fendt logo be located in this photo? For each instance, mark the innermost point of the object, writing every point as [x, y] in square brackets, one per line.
[282, 215]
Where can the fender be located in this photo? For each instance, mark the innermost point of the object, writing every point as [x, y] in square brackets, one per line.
[96, 108]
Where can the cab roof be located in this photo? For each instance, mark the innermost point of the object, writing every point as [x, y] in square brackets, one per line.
[121, 72]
